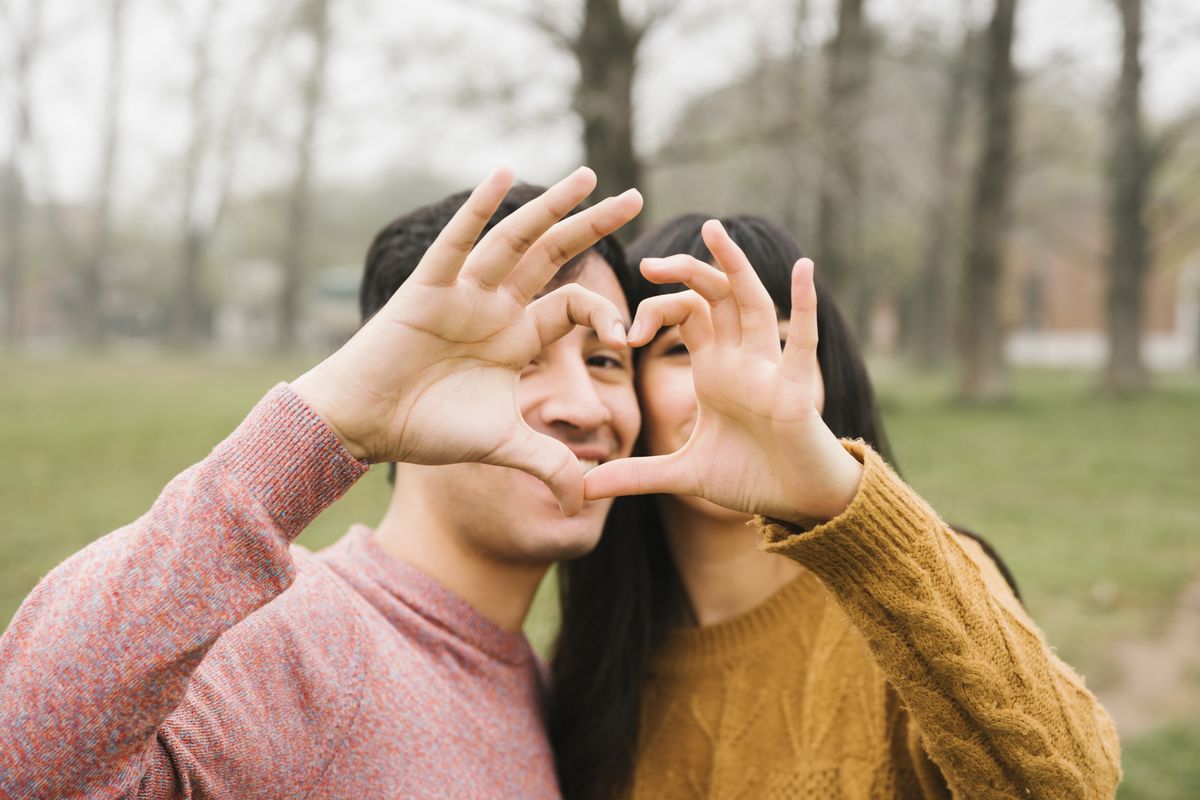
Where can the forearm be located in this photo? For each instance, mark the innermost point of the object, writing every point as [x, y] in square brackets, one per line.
[998, 712]
[102, 651]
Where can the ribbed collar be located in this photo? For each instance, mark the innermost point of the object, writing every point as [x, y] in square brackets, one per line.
[433, 601]
[798, 603]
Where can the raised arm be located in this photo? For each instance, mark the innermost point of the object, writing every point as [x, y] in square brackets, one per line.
[997, 712]
[103, 650]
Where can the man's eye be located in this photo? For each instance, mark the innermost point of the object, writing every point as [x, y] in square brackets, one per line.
[605, 362]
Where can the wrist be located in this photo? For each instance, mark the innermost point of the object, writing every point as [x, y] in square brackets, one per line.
[840, 478]
[311, 389]
[846, 480]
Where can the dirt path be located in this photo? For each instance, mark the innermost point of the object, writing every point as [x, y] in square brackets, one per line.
[1153, 683]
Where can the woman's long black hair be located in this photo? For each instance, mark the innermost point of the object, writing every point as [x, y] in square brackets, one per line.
[619, 601]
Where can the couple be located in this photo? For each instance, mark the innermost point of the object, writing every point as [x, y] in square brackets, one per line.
[847, 644]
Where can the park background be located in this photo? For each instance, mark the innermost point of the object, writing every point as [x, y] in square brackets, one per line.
[1004, 195]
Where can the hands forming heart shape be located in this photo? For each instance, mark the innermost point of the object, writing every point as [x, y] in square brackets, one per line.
[759, 444]
[432, 378]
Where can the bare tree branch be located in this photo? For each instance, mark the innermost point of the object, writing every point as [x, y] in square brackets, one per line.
[538, 18]
[658, 12]
[1162, 146]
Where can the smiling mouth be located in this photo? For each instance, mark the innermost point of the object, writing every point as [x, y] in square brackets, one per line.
[587, 464]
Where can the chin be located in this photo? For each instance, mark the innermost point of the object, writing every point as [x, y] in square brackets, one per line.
[527, 528]
[552, 537]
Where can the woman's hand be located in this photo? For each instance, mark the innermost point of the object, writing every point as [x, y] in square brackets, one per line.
[759, 444]
[432, 377]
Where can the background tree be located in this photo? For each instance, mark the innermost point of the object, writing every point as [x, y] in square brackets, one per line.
[217, 135]
[604, 44]
[26, 40]
[840, 207]
[313, 18]
[797, 102]
[606, 49]
[91, 322]
[930, 315]
[1129, 174]
[191, 307]
[980, 327]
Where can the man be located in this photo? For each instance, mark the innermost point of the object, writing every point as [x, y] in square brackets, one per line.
[167, 659]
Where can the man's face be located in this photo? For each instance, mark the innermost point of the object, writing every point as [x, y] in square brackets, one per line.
[579, 391]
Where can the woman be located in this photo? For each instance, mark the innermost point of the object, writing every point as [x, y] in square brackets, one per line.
[848, 643]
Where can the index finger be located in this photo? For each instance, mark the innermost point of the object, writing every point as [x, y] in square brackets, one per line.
[504, 245]
[445, 257]
[756, 309]
[572, 236]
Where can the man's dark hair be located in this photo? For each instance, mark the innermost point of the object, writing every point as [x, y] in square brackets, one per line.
[399, 247]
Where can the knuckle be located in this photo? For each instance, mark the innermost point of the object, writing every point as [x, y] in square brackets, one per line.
[553, 207]
[460, 243]
[515, 240]
[558, 254]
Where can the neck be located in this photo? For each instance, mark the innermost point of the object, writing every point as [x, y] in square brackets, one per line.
[723, 571]
[414, 531]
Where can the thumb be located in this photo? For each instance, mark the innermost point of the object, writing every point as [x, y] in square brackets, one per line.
[648, 475]
[546, 459]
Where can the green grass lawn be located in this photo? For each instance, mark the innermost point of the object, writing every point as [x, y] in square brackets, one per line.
[1093, 502]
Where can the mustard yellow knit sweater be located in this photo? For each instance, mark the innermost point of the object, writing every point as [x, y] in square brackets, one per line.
[899, 665]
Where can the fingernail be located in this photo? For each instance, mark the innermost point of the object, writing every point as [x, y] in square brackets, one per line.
[618, 332]
[635, 331]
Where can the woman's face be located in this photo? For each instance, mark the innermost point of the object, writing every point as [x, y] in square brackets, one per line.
[668, 399]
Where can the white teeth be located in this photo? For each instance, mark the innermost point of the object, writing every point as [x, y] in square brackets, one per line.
[587, 463]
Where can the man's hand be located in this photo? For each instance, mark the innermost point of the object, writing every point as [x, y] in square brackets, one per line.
[759, 444]
[432, 377]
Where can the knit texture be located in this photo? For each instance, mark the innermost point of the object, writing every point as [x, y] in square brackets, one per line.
[197, 653]
[898, 665]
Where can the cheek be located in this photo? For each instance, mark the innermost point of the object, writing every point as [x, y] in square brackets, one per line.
[622, 403]
[668, 406]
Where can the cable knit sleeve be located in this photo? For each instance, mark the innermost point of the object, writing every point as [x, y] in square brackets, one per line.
[997, 711]
[104, 648]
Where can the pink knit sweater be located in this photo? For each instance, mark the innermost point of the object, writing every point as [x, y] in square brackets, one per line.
[197, 653]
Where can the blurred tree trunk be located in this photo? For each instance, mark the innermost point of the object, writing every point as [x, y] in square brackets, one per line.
[315, 25]
[26, 45]
[191, 308]
[606, 49]
[930, 311]
[90, 330]
[791, 212]
[981, 329]
[1129, 172]
[839, 209]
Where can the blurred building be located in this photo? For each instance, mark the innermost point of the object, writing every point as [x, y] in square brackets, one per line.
[1055, 306]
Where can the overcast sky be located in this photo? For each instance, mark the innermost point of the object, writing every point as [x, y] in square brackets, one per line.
[398, 69]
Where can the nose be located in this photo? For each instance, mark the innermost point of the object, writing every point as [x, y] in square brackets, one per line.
[572, 402]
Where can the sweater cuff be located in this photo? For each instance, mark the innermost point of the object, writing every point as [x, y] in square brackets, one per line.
[289, 459]
[886, 527]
